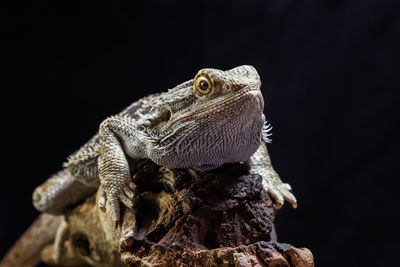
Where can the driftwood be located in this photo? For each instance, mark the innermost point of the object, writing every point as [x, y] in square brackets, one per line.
[181, 218]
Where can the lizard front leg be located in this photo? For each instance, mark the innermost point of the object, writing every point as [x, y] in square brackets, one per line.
[119, 135]
[260, 163]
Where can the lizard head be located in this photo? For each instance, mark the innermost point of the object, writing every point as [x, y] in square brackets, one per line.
[213, 119]
[215, 87]
[212, 93]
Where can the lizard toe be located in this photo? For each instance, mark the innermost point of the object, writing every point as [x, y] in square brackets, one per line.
[131, 185]
[127, 201]
[114, 209]
[102, 201]
[285, 186]
[129, 192]
[277, 196]
[285, 190]
[290, 198]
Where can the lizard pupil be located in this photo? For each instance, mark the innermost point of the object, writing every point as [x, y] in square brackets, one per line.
[204, 85]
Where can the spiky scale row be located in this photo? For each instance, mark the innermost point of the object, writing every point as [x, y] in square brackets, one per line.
[267, 132]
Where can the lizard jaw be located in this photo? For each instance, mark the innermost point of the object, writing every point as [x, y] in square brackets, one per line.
[259, 97]
[255, 92]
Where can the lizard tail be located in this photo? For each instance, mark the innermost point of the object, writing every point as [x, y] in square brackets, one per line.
[26, 251]
[59, 192]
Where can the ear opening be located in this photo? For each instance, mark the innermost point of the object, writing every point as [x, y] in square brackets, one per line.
[166, 115]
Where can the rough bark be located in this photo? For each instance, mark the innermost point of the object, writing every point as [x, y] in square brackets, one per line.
[181, 218]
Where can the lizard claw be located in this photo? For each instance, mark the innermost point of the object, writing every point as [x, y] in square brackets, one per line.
[276, 195]
[102, 201]
[119, 193]
[279, 192]
[285, 190]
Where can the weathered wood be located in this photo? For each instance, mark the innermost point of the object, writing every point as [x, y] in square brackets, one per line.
[181, 218]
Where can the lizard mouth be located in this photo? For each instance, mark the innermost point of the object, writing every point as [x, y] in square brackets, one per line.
[255, 91]
[232, 99]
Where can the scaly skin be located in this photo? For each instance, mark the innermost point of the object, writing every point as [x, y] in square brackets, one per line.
[215, 118]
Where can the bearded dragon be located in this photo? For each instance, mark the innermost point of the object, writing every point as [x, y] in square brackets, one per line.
[213, 119]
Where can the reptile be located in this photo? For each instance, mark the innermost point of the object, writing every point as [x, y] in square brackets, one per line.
[215, 118]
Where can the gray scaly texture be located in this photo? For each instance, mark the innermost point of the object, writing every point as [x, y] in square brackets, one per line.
[213, 119]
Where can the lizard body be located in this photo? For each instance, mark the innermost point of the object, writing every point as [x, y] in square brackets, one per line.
[213, 119]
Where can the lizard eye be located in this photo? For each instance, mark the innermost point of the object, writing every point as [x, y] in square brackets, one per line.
[203, 85]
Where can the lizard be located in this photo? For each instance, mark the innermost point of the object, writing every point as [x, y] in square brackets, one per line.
[215, 118]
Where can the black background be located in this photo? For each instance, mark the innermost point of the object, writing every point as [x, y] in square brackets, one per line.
[330, 73]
